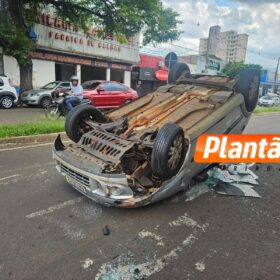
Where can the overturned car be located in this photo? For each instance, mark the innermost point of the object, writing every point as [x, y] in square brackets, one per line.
[144, 151]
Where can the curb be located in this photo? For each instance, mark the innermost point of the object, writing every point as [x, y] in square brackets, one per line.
[32, 139]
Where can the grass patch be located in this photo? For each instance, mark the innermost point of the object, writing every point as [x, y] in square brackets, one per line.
[39, 127]
[259, 109]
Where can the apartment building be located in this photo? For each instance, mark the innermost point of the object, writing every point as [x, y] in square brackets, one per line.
[227, 45]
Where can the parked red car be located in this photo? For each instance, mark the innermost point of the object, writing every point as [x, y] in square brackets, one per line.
[107, 95]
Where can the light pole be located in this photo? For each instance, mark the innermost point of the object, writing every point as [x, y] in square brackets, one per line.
[1, 62]
[275, 76]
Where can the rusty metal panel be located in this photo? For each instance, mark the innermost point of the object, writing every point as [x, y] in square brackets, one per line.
[106, 146]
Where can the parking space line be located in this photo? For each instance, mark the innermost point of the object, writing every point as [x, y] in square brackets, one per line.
[25, 147]
[55, 207]
[127, 267]
[9, 177]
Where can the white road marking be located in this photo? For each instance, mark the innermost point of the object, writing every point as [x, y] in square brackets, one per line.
[186, 220]
[25, 147]
[9, 177]
[87, 263]
[200, 266]
[128, 270]
[30, 146]
[125, 268]
[55, 207]
[69, 230]
[146, 233]
[24, 168]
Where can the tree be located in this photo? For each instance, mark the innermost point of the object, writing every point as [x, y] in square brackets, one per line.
[234, 68]
[121, 18]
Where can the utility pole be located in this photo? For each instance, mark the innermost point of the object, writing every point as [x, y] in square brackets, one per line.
[1, 62]
[207, 53]
[276, 76]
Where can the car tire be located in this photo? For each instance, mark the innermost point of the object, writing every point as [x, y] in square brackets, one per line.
[7, 102]
[248, 85]
[45, 102]
[169, 151]
[74, 123]
[176, 72]
[127, 101]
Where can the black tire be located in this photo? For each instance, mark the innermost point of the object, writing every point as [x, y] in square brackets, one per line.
[127, 101]
[7, 102]
[248, 85]
[52, 112]
[74, 123]
[45, 102]
[177, 70]
[161, 161]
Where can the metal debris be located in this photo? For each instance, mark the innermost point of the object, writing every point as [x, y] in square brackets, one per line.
[106, 230]
[226, 179]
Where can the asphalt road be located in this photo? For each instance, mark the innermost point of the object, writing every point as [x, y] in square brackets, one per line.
[48, 231]
[21, 115]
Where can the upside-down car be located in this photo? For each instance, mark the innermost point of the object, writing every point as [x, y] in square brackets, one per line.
[144, 151]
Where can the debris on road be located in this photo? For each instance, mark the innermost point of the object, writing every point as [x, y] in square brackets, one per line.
[227, 179]
[106, 230]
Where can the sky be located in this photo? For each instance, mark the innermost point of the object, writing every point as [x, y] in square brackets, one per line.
[259, 19]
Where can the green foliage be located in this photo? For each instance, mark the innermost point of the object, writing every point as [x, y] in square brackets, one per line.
[15, 42]
[39, 127]
[272, 109]
[122, 18]
[233, 68]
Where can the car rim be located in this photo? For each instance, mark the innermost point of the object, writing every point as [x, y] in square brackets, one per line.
[254, 87]
[7, 102]
[175, 152]
[46, 102]
[83, 127]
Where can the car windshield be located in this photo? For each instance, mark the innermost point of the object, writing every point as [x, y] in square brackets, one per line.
[51, 85]
[90, 85]
[267, 98]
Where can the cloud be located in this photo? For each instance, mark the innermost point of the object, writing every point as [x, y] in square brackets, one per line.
[259, 19]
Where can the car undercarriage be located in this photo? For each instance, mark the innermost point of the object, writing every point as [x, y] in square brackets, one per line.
[143, 152]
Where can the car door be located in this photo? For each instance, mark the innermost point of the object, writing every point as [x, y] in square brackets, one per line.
[109, 94]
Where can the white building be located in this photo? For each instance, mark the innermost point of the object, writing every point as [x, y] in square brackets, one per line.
[62, 51]
[228, 45]
[197, 63]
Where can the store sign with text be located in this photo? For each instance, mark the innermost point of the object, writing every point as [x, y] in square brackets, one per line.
[77, 60]
[54, 34]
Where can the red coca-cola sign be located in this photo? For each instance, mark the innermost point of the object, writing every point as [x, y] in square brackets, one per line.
[161, 75]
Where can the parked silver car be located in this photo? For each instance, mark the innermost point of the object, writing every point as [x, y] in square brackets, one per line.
[144, 151]
[42, 97]
[269, 100]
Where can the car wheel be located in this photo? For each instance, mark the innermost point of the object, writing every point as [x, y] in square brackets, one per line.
[169, 151]
[127, 101]
[176, 72]
[45, 102]
[7, 102]
[75, 125]
[52, 112]
[248, 85]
